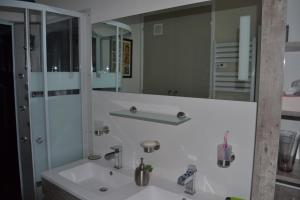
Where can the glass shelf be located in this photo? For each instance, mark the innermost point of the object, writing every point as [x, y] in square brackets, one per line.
[151, 117]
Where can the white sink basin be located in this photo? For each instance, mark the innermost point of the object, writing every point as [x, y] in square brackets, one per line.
[95, 178]
[155, 193]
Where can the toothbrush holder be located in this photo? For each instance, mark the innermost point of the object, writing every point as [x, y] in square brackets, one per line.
[225, 155]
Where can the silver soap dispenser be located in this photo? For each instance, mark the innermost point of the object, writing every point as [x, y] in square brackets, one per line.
[142, 174]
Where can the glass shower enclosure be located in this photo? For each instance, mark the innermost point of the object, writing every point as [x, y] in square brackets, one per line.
[107, 56]
[48, 58]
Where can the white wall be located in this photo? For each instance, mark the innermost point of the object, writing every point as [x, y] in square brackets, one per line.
[291, 68]
[293, 16]
[292, 60]
[102, 10]
[194, 142]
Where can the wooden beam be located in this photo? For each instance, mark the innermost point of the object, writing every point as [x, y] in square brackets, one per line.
[269, 98]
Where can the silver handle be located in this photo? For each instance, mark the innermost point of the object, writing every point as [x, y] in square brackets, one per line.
[39, 140]
[104, 130]
[118, 156]
[21, 76]
[192, 169]
[22, 108]
[116, 148]
[24, 139]
[133, 109]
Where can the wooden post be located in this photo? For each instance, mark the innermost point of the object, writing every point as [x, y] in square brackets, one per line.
[269, 98]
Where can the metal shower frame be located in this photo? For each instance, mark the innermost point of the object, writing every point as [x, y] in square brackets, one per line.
[84, 68]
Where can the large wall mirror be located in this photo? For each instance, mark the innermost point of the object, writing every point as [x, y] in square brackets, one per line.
[203, 50]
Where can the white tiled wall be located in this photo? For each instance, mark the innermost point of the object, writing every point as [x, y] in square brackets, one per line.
[193, 142]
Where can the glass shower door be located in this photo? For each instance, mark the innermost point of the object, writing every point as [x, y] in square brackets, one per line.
[22, 97]
[55, 101]
[37, 99]
[63, 89]
[47, 87]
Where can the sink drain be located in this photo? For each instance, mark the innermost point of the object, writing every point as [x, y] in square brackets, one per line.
[103, 189]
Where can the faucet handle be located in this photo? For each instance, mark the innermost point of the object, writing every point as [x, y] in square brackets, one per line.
[191, 169]
[116, 148]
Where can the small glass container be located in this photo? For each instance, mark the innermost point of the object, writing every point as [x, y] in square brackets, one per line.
[288, 145]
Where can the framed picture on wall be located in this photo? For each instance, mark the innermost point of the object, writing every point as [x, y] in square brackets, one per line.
[127, 58]
[126, 67]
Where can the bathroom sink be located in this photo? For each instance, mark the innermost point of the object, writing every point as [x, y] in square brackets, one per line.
[155, 193]
[96, 178]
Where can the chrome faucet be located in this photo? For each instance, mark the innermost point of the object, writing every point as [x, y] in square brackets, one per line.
[188, 180]
[116, 154]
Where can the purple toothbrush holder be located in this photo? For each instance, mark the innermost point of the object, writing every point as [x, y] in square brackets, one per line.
[225, 156]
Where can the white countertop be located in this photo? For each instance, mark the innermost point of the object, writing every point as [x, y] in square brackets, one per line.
[123, 192]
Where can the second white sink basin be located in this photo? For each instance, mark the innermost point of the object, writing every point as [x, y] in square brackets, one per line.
[155, 193]
[96, 178]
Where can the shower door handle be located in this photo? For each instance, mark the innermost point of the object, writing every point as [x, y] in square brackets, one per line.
[23, 108]
[39, 140]
[24, 139]
[21, 76]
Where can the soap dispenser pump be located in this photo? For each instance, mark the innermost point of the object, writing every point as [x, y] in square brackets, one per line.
[142, 174]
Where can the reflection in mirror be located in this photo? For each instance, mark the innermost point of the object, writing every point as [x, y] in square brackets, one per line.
[63, 76]
[203, 50]
[62, 43]
[110, 49]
